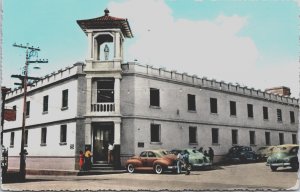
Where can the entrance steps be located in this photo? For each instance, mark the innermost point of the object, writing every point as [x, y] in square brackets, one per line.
[101, 167]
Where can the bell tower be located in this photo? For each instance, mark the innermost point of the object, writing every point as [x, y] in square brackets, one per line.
[105, 37]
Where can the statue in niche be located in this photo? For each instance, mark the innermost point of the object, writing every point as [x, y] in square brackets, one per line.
[106, 52]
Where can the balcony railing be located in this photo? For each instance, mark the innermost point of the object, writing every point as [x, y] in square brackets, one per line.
[103, 107]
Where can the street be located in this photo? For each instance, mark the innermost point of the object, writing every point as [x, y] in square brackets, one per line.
[229, 177]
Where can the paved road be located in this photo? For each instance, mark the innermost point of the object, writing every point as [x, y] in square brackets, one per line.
[243, 176]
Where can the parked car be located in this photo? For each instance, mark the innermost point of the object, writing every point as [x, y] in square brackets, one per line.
[284, 156]
[196, 158]
[241, 154]
[264, 152]
[156, 160]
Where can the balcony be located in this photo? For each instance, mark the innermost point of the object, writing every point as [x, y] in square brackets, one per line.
[103, 107]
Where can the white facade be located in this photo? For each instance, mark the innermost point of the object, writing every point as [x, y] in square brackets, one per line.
[109, 101]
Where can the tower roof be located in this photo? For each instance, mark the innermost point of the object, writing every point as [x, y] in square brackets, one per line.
[106, 22]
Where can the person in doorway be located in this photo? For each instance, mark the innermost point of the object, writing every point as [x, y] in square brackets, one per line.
[110, 152]
[87, 158]
[81, 160]
[211, 154]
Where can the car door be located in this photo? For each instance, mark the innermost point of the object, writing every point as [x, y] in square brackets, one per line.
[151, 158]
[143, 158]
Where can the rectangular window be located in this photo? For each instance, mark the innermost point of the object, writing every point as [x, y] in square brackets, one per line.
[213, 105]
[192, 134]
[65, 98]
[26, 138]
[234, 135]
[154, 97]
[233, 108]
[267, 138]
[191, 102]
[63, 134]
[279, 115]
[292, 116]
[250, 110]
[215, 135]
[27, 108]
[45, 103]
[105, 91]
[265, 113]
[294, 138]
[281, 139]
[155, 133]
[12, 139]
[44, 136]
[252, 137]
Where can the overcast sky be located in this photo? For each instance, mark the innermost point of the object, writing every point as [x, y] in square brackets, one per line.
[254, 42]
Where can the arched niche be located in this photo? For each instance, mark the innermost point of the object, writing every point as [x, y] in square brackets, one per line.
[104, 47]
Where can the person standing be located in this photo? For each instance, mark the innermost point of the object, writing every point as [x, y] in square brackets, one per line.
[186, 163]
[110, 152]
[87, 158]
[211, 154]
[81, 160]
[179, 162]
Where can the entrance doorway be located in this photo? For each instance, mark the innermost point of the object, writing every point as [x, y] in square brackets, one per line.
[103, 133]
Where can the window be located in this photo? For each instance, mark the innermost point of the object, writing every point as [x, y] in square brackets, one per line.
[234, 135]
[192, 134]
[12, 139]
[279, 115]
[15, 108]
[105, 91]
[213, 105]
[294, 138]
[45, 103]
[27, 108]
[250, 110]
[63, 134]
[292, 116]
[267, 138]
[155, 133]
[26, 138]
[252, 137]
[233, 108]
[151, 154]
[43, 136]
[65, 98]
[143, 154]
[281, 139]
[154, 97]
[215, 135]
[265, 113]
[191, 102]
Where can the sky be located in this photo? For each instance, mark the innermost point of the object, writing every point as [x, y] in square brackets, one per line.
[250, 42]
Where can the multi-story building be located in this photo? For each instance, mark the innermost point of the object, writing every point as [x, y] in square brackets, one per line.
[138, 107]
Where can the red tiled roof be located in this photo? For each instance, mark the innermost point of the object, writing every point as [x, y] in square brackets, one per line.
[106, 22]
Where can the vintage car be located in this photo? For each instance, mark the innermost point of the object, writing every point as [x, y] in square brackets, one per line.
[241, 154]
[284, 156]
[264, 152]
[156, 160]
[196, 158]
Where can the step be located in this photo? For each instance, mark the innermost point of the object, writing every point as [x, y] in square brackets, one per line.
[102, 168]
[102, 165]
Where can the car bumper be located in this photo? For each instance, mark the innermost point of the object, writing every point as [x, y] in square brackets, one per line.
[201, 165]
[172, 167]
[278, 164]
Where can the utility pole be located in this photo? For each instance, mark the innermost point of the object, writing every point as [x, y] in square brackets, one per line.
[30, 52]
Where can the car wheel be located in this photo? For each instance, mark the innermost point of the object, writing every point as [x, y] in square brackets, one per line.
[273, 168]
[189, 167]
[130, 168]
[158, 169]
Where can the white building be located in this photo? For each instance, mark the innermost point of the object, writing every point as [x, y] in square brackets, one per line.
[138, 107]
